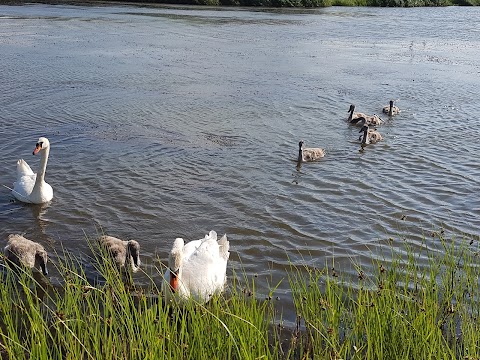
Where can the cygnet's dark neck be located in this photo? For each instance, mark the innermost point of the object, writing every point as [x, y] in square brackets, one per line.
[300, 153]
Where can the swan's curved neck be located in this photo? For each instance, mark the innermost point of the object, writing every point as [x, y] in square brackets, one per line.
[43, 167]
[43, 164]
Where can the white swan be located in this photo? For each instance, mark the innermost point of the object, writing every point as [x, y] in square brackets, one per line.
[24, 252]
[309, 154]
[31, 187]
[196, 269]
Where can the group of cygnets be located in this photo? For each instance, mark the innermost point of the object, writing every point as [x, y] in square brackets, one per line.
[370, 134]
[195, 270]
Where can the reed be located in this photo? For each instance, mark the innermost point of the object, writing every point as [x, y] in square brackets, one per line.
[403, 311]
[114, 319]
[400, 310]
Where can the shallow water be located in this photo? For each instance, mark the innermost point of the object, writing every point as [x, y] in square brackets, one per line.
[170, 122]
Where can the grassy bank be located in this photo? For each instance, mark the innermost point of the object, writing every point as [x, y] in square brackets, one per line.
[401, 310]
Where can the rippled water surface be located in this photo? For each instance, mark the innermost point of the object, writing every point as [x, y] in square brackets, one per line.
[170, 122]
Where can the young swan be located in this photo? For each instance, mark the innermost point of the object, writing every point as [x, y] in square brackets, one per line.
[197, 269]
[309, 154]
[361, 118]
[391, 109]
[31, 187]
[370, 136]
[24, 252]
[126, 253]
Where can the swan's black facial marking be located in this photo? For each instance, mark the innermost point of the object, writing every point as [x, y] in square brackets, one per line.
[38, 147]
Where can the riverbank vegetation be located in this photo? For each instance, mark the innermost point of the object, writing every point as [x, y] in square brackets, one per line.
[401, 309]
[328, 3]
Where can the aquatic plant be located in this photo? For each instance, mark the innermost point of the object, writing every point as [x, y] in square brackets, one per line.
[398, 311]
[401, 309]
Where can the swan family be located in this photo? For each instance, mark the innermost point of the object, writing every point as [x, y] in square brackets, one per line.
[370, 135]
[196, 269]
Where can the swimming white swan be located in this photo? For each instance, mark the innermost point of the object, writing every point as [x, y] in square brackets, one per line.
[125, 253]
[309, 154]
[196, 269]
[24, 252]
[391, 109]
[31, 187]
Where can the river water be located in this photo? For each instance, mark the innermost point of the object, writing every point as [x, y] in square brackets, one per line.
[168, 122]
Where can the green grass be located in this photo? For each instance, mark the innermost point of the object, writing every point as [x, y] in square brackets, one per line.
[119, 321]
[400, 310]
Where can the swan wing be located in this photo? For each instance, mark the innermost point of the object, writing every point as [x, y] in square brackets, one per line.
[23, 169]
[22, 188]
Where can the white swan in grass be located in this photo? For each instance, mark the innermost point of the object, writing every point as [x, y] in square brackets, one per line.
[391, 109]
[31, 187]
[197, 269]
[309, 154]
[24, 252]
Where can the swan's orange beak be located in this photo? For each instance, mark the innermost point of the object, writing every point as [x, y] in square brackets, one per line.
[37, 149]
[173, 281]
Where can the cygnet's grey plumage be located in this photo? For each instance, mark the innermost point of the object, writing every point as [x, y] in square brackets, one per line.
[391, 109]
[309, 154]
[363, 119]
[126, 253]
[24, 252]
[370, 136]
